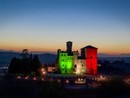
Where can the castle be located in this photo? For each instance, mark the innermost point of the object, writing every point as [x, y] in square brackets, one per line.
[69, 62]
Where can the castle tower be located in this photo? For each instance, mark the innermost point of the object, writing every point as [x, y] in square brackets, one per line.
[89, 53]
[91, 59]
[69, 47]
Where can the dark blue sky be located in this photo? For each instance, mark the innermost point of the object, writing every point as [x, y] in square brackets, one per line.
[45, 25]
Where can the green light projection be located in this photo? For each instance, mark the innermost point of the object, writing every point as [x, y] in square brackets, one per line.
[65, 62]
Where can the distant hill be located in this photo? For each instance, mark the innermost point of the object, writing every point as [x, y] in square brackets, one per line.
[5, 57]
[113, 58]
[47, 58]
[109, 55]
[125, 55]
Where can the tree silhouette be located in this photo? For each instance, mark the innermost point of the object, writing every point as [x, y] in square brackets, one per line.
[25, 65]
[36, 64]
[14, 66]
[24, 53]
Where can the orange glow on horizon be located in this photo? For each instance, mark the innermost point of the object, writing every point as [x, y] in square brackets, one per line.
[55, 51]
[111, 50]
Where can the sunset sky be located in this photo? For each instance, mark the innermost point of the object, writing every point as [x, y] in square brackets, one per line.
[46, 25]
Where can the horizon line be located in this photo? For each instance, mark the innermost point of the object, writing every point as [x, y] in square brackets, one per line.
[49, 52]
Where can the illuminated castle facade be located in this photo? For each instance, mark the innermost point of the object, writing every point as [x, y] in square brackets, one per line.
[69, 62]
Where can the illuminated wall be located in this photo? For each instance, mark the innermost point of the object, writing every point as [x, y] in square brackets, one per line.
[91, 59]
[65, 62]
[79, 64]
[69, 62]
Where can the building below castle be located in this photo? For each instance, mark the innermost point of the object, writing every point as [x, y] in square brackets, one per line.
[70, 62]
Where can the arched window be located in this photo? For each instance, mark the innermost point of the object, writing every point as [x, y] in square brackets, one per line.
[63, 69]
[75, 65]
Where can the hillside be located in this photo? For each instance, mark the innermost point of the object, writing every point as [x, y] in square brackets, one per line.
[5, 57]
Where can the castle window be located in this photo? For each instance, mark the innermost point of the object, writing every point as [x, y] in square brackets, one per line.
[75, 66]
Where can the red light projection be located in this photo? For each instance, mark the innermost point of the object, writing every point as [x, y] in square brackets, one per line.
[91, 60]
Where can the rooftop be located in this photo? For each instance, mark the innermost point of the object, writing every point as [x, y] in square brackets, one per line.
[89, 46]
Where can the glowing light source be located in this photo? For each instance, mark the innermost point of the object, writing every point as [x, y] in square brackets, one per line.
[43, 71]
[18, 77]
[80, 81]
[26, 77]
[59, 80]
[34, 78]
[43, 79]
[67, 81]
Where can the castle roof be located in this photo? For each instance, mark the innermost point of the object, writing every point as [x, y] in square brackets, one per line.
[69, 41]
[89, 46]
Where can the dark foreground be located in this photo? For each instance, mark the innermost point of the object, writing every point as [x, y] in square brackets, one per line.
[14, 88]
